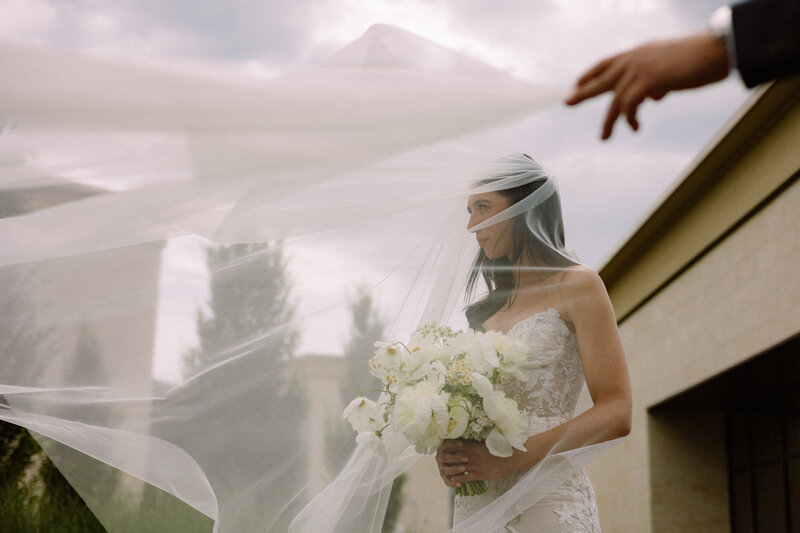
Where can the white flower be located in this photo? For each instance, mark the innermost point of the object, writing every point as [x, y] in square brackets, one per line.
[373, 441]
[420, 413]
[436, 374]
[509, 424]
[478, 350]
[514, 353]
[386, 363]
[482, 384]
[418, 341]
[459, 408]
[364, 415]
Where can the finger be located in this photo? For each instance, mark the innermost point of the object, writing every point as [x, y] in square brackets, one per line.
[452, 481]
[620, 101]
[455, 470]
[630, 114]
[631, 92]
[595, 70]
[611, 117]
[604, 80]
[450, 446]
[658, 94]
[455, 459]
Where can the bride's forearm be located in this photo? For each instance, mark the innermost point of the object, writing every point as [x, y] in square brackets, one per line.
[604, 421]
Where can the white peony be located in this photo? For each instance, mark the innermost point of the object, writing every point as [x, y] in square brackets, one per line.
[364, 415]
[510, 424]
[420, 413]
[478, 350]
[482, 384]
[514, 355]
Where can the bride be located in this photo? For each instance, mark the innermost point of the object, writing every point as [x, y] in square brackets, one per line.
[94, 182]
[537, 293]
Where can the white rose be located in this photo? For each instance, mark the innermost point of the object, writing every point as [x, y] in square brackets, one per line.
[364, 415]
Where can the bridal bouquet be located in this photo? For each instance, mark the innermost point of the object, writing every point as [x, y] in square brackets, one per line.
[445, 385]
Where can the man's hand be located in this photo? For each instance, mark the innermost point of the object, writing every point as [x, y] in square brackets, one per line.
[651, 71]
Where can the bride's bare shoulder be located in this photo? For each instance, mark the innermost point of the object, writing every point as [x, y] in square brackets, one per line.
[581, 277]
[580, 284]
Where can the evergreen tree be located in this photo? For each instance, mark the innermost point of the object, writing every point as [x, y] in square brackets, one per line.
[249, 299]
[246, 330]
[367, 327]
[35, 496]
[21, 347]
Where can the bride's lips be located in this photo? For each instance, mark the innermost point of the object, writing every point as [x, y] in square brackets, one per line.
[481, 241]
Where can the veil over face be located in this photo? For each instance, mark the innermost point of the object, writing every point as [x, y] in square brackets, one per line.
[180, 251]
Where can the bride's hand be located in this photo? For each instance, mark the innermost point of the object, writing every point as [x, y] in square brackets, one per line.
[451, 462]
[469, 460]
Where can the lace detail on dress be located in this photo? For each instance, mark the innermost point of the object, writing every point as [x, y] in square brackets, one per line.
[557, 377]
[548, 399]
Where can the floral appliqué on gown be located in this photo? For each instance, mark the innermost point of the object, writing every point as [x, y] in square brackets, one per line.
[548, 398]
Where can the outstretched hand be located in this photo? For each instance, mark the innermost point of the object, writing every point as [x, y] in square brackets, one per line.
[469, 460]
[651, 71]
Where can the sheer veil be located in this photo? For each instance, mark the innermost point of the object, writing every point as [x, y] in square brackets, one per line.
[168, 393]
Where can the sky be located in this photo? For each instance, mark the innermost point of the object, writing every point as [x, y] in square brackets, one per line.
[608, 187]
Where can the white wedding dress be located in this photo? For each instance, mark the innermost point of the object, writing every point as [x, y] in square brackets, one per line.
[548, 398]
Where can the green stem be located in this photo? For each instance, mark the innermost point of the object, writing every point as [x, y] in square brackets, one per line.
[472, 488]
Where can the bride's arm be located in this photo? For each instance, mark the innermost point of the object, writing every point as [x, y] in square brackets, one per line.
[606, 373]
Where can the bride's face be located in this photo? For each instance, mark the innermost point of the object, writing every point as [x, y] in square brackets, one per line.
[495, 240]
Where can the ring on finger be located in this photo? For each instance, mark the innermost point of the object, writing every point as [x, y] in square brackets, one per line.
[466, 472]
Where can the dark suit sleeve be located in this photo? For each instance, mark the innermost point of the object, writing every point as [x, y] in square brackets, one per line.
[767, 39]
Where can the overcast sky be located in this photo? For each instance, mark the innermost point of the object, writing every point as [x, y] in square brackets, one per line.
[548, 41]
[607, 187]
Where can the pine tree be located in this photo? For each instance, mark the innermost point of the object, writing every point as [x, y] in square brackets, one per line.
[367, 327]
[35, 495]
[249, 299]
[22, 345]
[238, 372]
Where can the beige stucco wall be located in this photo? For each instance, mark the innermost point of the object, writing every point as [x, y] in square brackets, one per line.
[709, 280]
[737, 301]
[320, 376]
[426, 500]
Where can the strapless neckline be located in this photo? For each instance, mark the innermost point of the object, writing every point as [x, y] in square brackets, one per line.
[549, 311]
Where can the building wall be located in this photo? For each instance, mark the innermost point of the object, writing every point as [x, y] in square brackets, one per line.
[732, 295]
[426, 499]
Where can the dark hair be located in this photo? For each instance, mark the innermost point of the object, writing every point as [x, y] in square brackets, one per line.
[540, 249]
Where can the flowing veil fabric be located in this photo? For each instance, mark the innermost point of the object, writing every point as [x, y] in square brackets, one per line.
[114, 177]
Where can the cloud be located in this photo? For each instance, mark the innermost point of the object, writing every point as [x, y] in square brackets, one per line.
[606, 186]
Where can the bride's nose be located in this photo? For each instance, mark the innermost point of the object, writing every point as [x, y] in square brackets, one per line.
[474, 220]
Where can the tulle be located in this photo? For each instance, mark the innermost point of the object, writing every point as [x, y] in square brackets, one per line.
[311, 191]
